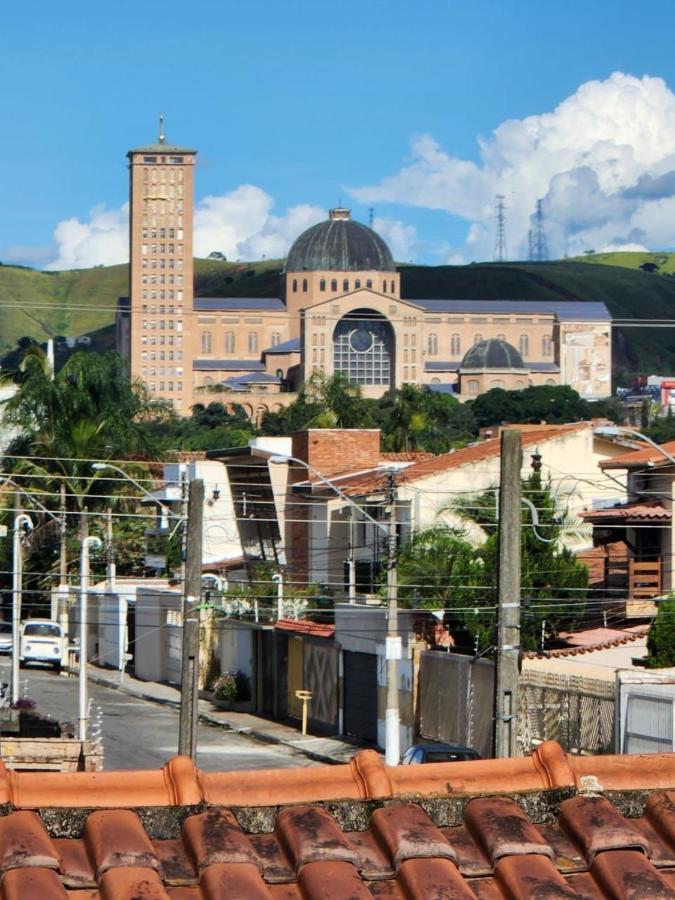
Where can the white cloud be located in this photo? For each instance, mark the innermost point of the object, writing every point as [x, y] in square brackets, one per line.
[401, 239]
[103, 240]
[603, 162]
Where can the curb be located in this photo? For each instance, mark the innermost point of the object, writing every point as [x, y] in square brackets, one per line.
[205, 718]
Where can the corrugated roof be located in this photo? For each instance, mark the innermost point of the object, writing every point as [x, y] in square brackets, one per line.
[566, 310]
[640, 458]
[635, 510]
[546, 826]
[227, 365]
[230, 304]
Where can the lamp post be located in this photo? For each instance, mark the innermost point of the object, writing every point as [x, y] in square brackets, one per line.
[617, 430]
[22, 524]
[164, 510]
[393, 639]
[87, 544]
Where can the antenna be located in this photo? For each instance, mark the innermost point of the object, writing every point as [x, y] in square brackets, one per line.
[371, 216]
[500, 237]
[540, 246]
[161, 128]
[530, 244]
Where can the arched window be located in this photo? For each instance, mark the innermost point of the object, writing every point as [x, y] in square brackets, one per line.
[276, 338]
[280, 374]
[322, 284]
[520, 385]
[357, 284]
[295, 285]
[206, 342]
[345, 285]
[477, 338]
[369, 283]
[524, 345]
[229, 342]
[333, 285]
[253, 342]
[472, 386]
[392, 286]
[363, 344]
[501, 337]
[304, 285]
[208, 381]
[546, 345]
[550, 381]
[455, 345]
[432, 344]
[384, 287]
[497, 383]
[435, 380]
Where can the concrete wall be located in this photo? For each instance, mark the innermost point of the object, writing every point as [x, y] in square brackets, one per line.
[153, 609]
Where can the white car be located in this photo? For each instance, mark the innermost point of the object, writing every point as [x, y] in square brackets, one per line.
[42, 640]
[5, 637]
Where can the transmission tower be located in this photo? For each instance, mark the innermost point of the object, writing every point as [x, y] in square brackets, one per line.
[540, 246]
[530, 244]
[371, 216]
[500, 237]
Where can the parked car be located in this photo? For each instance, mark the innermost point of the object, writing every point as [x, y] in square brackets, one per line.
[431, 753]
[5, 637]
[42, 640]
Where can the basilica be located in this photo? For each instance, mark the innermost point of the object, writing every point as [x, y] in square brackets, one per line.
[339, 309]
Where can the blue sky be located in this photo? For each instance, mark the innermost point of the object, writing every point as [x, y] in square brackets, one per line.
[306, 102]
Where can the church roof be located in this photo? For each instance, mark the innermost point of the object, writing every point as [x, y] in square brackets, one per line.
[339, 245]
[565, 310]
[492, 354]
[226, 304]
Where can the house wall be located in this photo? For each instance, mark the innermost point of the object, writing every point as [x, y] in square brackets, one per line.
[154, 608]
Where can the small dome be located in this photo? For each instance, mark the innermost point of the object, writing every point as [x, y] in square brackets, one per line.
[492, 354]
[339, 245]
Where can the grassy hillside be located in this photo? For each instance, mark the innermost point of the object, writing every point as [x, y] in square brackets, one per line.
[632, 260]
[42, 304]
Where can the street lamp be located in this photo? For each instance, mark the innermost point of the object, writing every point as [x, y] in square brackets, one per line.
[87, 544]
[617, 430]
[164, 510]
[393, 640]
[22, 524]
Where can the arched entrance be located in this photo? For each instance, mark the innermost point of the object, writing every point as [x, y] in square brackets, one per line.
[363, 348]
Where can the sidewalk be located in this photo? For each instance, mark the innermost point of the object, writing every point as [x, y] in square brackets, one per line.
[321, 749]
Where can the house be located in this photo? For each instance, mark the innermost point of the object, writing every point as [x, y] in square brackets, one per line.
[550, 825]
[634, 534]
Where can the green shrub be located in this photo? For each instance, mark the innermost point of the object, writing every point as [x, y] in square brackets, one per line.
[661, 638]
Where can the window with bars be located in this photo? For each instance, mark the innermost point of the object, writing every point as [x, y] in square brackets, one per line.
[362, 350]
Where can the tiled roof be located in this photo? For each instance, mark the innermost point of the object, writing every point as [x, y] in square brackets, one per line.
[291, 346]
[543, 827]
[566, 310]
[654, 509]
[593, 640]
[226, 304]
[649, 456]
[407, 456]
[304, 626]
[227, 365]
[371, 482]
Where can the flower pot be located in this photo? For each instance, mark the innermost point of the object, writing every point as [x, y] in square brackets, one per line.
[223, 704]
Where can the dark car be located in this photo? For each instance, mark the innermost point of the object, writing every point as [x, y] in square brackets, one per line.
[432, 753]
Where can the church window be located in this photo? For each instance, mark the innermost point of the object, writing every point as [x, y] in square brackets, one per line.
[549, 381]
[369, 283]
[393, 288]
[432, 344]
[253, 342]
[333, 285]
[295, 285]
[384, 287]
[206, 341]
[304, 285]
[472, 385]
[501, 337]
[524, 345]
[363, 349]
[546, 345]
[345, 285]
[322, 284]
[435, 380]
[477, 338]
[276, 338]
[455, 345]
[357, 284]
[229, 342]
[520, 384]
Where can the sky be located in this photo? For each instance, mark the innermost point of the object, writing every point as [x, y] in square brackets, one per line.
[423, 111]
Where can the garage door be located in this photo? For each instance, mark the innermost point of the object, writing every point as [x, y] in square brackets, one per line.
[360, 695]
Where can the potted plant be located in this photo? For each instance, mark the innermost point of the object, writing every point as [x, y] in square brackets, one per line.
[232, 690]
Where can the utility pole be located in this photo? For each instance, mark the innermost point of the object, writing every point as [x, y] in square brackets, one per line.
[508, 586]
[392, 755]
[192, 586]
[87, 544]
[110, 552]
[22, 523]
[351, 562]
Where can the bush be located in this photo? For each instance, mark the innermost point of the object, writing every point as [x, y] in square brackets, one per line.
[661, 638]
[231, 686]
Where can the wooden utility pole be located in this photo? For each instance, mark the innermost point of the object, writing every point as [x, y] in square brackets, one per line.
[508, 586]
[393, 639]
[192, 586]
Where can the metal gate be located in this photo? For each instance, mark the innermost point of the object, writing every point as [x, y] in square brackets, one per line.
[173, 649]
[321, 678]
[360, 695]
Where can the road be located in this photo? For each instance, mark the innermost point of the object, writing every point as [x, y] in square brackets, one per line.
[141, 735]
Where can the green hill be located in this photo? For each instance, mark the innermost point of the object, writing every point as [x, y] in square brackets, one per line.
[45, 304]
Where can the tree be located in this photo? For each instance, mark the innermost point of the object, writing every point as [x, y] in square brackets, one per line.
[322, 402]
[541, 403]
[661, 637]
[414, 418]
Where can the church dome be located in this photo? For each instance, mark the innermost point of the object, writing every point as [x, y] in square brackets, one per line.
[339, 245]
[492, 354]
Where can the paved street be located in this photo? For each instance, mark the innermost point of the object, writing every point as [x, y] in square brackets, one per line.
[142, 735]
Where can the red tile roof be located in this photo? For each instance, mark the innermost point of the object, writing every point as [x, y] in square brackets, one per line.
[641, 458]
[371, 482]
[592, 640]
[546, 826]
[654, 509]
[406, 456]
[304, 626]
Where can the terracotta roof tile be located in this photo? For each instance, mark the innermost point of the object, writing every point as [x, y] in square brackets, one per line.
[641, 458]
[651, 510]
[523, 829]
[305, 626]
